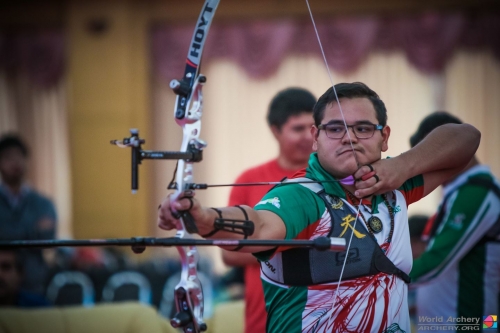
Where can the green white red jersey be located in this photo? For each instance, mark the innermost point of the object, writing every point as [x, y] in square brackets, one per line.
[458, 275]
[376, 303]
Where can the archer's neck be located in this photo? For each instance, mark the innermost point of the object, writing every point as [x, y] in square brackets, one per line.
[13, 187]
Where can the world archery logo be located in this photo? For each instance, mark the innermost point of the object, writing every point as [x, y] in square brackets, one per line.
[490, 322]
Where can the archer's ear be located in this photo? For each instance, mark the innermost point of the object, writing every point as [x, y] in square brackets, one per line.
[314, 134]
[276, 131]
[386, 132]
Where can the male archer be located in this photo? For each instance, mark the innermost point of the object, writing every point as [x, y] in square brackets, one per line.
[363, 289]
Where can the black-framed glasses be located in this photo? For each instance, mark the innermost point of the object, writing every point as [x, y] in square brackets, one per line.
[361, 130]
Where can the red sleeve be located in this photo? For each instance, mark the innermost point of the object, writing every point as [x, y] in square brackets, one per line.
[238, 194]
[413, 189]
[250, 195]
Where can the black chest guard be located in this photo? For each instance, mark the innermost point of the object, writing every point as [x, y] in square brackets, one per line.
[307, 266]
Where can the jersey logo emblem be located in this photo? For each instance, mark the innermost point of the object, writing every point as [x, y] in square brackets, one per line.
[347, 224]
[337, 203]
[457, 222]
[274, 201]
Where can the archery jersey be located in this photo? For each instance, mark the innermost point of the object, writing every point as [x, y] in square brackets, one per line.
[458, 275]
[375, 303]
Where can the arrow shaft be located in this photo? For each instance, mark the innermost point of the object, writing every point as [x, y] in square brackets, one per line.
[335, 244]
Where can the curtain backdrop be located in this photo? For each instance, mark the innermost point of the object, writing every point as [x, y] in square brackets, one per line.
[428, 41]
[33, 104]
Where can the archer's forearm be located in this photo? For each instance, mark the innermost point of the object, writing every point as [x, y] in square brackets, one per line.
[449, 146]
[266, 225]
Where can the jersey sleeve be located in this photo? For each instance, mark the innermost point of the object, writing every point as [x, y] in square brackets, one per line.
[296, 205]
[459, 231]
[413, 189]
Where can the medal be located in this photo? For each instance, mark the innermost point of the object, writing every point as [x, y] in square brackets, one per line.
[375, 224]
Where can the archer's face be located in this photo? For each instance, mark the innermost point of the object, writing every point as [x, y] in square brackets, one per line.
[294, 137]
[12, 165]
[336, 155]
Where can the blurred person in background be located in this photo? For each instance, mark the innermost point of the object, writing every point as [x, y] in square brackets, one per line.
[25, 214]
[416, 224]
[11, 276]
[458, 274]
[290, 120]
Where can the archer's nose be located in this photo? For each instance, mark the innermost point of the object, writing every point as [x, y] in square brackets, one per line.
[349, 136]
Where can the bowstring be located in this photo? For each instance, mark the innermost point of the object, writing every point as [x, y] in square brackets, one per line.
[350, 141]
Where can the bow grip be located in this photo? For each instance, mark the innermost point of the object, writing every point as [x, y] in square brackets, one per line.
[188, 220]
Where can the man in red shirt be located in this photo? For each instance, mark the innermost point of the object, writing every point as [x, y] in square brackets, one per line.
[290, 120]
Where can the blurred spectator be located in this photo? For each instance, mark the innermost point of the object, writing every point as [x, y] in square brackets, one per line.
[11, 276]
[417, 224]
[25, 214]
[458, 274]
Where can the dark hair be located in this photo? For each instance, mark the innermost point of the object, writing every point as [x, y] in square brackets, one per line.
[430, 122]
[350, 90]
[287, 103]
[11, 140]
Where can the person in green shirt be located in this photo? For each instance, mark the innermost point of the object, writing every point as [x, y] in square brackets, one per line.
[458, 274]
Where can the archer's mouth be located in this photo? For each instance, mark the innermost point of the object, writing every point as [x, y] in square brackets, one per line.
[349, 151]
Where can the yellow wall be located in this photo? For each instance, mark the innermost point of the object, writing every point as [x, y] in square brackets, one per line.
[108, 94]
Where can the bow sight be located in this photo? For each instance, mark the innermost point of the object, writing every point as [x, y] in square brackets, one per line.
[193, 153]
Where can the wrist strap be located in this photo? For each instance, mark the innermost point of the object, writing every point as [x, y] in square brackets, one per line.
[211, 233]
[243, 227]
